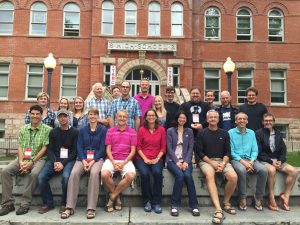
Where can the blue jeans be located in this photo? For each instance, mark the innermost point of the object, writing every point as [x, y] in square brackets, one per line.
[145, 170]
[44, 177]
[181, 177]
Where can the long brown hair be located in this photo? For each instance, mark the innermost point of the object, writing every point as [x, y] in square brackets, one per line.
[146, 124]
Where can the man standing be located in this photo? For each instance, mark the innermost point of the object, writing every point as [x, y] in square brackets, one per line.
[144, 98]
[33, 141]
[254, 110]
[116, 92]
[48, 116]
[62, 152]
[244, 152]
[121, 144]
[210, 98]
[213, 147]
[99, 102]
[171, 107]
[129, 104]
[226, 112]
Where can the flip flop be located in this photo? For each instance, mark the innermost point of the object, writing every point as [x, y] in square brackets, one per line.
[272, 207]
[284, 205]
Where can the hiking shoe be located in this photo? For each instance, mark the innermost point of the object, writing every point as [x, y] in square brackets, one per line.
[6, 209]
[22, 210]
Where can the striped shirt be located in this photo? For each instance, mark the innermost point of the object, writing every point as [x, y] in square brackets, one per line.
[34, 138]
[130, 105]
[121, 141]
[102, 104]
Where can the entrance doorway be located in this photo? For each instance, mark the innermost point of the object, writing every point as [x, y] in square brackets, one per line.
[135, 76]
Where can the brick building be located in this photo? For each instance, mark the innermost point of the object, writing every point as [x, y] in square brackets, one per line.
[191, 39]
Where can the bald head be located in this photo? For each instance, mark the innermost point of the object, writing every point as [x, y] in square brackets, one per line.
[225, 99]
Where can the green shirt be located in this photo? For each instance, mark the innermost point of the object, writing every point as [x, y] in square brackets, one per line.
[34, 138]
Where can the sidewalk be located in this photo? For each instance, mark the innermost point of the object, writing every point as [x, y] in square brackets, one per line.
[137, 216]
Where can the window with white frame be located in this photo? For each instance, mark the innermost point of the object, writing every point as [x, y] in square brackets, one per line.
[2, 128]
[6, 18]
[176, 76]
[4, 77]
[275, 19]
[35, 78]
[244, 80]
[154, 19]
[244, 25]
[107, 27]
[278, 87]
[38, 19]
[177, 19]
[212, 81]
[130, 18]
[71, 20]
[284, 128]
[107, 74]
[212, 24]
[68, 84]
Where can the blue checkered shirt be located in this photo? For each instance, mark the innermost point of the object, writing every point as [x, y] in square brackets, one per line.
[130, 105]
[102, 104]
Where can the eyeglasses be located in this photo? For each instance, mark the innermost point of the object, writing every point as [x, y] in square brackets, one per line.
[268, 121]
[125, 87]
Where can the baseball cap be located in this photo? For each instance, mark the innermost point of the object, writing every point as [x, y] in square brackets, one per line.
[63, 111]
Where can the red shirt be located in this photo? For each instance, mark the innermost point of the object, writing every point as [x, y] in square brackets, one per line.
[151, 144]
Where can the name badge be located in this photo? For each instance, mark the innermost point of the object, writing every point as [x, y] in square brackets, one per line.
[90, 155]
[27, 154]
[195, 118]
[63, 153]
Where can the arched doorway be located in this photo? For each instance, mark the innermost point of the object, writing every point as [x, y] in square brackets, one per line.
[134, 77]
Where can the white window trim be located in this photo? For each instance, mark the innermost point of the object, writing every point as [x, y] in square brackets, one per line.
[13, 18]
[27, 79]
[70, 98]
[113, 19]
[30, 23]
[237, 83]
[63, 27]
[8, 75]
[182, 19]
[251, 24]
[135, 22]
[220, 26]
[217, 101]
[282, 25]
[177, 75]
[285, 90]
[159, 23]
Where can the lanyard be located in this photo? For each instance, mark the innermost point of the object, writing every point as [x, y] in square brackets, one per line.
[123, 105]
[30, 137]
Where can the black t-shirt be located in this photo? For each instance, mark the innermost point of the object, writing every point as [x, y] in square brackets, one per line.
[255, 114]
[172, 110]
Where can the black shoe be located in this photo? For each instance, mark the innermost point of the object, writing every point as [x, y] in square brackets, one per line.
[22, 210]
[195, 212]
[6, 209]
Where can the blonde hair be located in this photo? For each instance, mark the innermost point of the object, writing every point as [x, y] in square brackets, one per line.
[163, 109]
[68, 104]
[81, 99]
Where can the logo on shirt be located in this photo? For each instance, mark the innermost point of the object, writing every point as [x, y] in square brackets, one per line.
[195, 109]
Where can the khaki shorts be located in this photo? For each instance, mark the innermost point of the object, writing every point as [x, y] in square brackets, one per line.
[206, 167]
[129, 167]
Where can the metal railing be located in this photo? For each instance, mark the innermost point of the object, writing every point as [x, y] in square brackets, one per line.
[9, 145]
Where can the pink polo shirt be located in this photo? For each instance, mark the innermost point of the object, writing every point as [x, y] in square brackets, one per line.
[145, 103]
[151, 144]
[121, 141]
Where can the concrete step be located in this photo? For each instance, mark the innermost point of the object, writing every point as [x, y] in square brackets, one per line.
[137, 216]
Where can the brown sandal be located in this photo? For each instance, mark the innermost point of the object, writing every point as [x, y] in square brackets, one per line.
[67, 213]
[90, 214]
[110, 204]
[229, 208]
[118, 203]
[217, 219]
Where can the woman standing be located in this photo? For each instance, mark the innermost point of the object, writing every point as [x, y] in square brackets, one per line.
[151, 147]
[180, 142]
[79, 118]
[90, 157]
[158, 106]
[63, 104]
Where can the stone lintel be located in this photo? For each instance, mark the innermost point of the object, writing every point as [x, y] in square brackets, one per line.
[175, 61]
[6, 59]
[245, 65]
[69, 61]
[278, 66]
[212, 65]
[34, 60]
[107, 60]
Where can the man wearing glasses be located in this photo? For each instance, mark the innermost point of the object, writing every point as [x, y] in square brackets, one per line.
[171, 107]
[127, 103]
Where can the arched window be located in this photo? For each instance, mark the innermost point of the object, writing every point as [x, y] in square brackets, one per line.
[38, 19]
[244, 25]
[130, 18]
[154, 19]
[275, 25]
[212, 24]
[177, 19]
[71, 20]
[6, 18]
[107, 18]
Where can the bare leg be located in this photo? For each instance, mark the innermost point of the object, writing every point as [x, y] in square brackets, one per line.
[289, 182]
[107, 179]
[124, 183]
[230, 186]
[271, 183]
[212, 188]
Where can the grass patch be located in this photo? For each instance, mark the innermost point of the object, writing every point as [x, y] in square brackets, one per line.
[293, 158]
[7, 157]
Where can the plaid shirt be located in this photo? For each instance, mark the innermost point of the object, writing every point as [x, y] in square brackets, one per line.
[48, 120]
[130, 105]
[34, 138]
[102, 104]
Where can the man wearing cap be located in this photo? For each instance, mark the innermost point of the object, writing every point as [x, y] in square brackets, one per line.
[61, 158]
[48, 116]
[32, 145]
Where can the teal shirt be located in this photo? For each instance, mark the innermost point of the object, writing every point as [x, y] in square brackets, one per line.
[34, 138]
[243, 145]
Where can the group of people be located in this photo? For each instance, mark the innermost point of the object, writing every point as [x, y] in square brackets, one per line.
[147, 133]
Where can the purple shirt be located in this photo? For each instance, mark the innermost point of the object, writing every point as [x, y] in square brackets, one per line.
[145, 103]
[121, 141]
